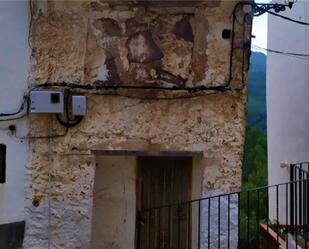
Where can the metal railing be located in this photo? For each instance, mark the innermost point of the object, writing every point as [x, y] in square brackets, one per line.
[236, 220]
[299, 201]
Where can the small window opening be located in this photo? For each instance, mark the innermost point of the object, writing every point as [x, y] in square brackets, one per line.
[2, 162]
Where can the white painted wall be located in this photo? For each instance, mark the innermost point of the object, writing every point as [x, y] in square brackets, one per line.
[287, 94]
[14, 63]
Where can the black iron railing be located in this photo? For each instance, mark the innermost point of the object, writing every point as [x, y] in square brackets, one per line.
[299, 204]
[261, 218]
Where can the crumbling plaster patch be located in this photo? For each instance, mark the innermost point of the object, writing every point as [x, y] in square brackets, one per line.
[102, 45]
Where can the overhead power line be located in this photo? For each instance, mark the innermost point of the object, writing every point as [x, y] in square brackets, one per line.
[298, 55]
[288, 18]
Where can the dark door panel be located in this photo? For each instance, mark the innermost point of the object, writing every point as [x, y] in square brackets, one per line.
[164, 181]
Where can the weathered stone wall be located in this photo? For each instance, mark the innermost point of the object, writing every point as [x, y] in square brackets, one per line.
[94, 43]
[128, 45]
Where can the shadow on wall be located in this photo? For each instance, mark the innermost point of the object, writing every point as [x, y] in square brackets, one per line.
[12, 235]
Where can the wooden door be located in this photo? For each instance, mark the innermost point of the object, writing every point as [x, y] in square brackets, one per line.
[164, 182]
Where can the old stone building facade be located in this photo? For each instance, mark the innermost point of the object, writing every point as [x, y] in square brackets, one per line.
[165, 82]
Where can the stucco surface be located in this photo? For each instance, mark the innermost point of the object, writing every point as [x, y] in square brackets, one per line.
[14, 66]
[86, 42]
[287, 115]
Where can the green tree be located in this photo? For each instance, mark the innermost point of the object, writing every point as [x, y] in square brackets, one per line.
[255, 157]
[253, 204]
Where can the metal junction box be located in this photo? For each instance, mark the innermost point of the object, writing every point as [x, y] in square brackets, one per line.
[45, 101]
[78, 105]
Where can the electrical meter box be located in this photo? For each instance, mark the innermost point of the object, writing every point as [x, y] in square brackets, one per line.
[78, 105]
[45, 101]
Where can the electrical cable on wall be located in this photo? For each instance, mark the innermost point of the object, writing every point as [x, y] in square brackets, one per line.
[30, 24]
[23, 111]
[44, 136]
[234, 17]
[89, 86]
[192, 92]
[68, 122]
[209, 90]
[49, 182]
[183, 96]
[222, 87]
[20, 113]
[183, 93]
[21, 108]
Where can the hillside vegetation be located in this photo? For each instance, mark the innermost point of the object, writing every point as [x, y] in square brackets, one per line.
[254, 171]
[257, 91]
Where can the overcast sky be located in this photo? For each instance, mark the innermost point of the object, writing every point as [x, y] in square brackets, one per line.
[260, 28]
